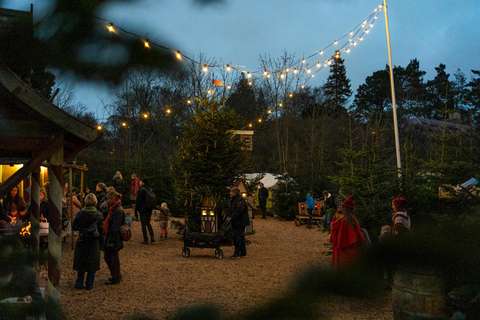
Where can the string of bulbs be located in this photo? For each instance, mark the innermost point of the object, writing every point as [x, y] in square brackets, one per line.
[355, 36]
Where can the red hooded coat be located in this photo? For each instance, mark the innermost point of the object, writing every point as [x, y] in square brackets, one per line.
[347, 242]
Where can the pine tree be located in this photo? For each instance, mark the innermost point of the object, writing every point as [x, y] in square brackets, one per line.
[337, 88]
[209, 158]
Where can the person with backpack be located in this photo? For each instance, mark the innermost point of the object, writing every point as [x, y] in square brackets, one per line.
[144, 204]
[89, 223]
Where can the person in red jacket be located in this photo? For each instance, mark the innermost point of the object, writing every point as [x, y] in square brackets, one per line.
[134, 185]
[346, 236]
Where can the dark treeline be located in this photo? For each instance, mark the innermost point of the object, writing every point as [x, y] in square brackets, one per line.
[325, 137]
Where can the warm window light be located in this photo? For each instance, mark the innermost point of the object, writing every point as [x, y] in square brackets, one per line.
[110, 28]
[169, 111]
[147, 45]
[229, 68]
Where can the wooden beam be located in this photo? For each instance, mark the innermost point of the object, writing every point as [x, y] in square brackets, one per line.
[30, 166]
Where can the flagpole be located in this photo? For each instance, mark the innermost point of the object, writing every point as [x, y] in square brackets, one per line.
[392, 86]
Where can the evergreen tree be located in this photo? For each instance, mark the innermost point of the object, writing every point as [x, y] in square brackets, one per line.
[440, 93]
[337, 88]
[209, 158]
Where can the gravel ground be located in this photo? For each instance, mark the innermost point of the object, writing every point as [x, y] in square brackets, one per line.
[158, 282]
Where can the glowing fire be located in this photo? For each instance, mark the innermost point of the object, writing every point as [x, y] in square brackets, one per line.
[26, 230]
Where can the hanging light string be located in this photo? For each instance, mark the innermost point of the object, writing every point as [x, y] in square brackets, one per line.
[355, 35]
[353, 40]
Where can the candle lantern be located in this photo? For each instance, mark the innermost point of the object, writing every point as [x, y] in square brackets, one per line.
[209, 220]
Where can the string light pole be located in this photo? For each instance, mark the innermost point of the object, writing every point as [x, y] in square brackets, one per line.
[392, 86]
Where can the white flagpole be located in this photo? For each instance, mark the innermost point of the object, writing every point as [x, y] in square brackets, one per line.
[395, 123]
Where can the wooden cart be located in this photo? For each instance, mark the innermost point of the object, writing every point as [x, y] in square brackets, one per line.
[302, 216]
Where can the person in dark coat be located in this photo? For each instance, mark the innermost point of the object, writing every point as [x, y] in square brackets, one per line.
[262, 200]
[145, 212]
[239, 220]
[44, 212]
[100, 192]
[113, 241]
[118, 182]
[89, 223]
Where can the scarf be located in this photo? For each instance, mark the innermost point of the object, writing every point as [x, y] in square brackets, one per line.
[110, 210]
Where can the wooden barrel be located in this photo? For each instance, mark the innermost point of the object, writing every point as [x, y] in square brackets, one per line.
[418, 293]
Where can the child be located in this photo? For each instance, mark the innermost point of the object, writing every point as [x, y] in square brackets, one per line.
[164, 217]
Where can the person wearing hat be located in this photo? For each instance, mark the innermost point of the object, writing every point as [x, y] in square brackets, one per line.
[239, 220]
[346, 236]
[400, 218]
[145, 212]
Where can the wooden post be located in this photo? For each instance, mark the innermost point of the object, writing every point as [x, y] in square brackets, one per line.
[55, 232]
[81, 189]
[70, 210]
[35, 209]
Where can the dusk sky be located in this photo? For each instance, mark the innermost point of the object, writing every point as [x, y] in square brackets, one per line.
[237, 32]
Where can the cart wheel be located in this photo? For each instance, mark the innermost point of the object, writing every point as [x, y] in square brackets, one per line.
[219, 254]
[298, 222]
[186, 252]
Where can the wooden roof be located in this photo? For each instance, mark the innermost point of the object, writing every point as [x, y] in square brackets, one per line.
[28, 122]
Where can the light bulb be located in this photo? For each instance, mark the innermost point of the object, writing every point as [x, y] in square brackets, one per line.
[376, 17]
[303, 86]
[265, 72]
[99, 127]
[303, 61]
[295, 70]
[189, 101]
[308, 70]
[250, 83]
[110, 28]
[291, 95]
[354, 43]
[280, 104]
[348, 50]
[250, 125]
[336, 42]
[249, 75]
[287, 70]
[269, 111]
[259, 120]
[367, 31]
[145, 115]
[321, 52]
[229, 87]
[371, 25]
[205, 68]
[313, 75]
[124, 124]
[282, 75]
[169, 111]
[361, 38]
[179, 55]
[351, 32]
[147, 45]
[229, 68]
[319, 64]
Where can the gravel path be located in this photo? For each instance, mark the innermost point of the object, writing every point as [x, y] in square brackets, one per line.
[158, 282]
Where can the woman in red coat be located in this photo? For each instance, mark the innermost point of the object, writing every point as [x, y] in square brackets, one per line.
[346, 236]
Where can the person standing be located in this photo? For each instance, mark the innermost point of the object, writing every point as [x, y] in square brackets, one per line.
[239, 219]
[310, 207]
[89, 223]
[44, 212]
[346, 236]
[164, 217]
[113, 241]
[400, 218]
[144, 210]
[100, 192]
[118, 182]
[329, 207]
[262, 199]
[134, 185]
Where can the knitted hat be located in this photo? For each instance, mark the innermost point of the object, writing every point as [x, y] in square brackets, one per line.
[235, 190]
[349, 203]
[400, 203]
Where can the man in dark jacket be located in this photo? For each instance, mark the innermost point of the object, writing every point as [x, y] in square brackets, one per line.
[328, 209]
[144, 210]
[239, 219]
[262, 200]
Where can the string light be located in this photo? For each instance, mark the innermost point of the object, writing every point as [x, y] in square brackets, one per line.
[249, 75]
[189, 101]
[250, 83]
[282, 75]
[229, 87]
[336, 42]
[280, 104]
[146, 44]
[291, 95]
[303, 61]
[145, 115]
[269, 111]
[319, 64]
[250, 125]
[321, 52]
[124, 124]
[168, 111]
[287, 70]
[179, 55]
[229, 68]
[205, 68]
[260, 120]
[110, 27]
[295, 70]
[265, 72]
[99, 127]
[308, 70]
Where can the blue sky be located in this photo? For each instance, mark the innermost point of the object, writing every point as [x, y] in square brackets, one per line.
[239, 31]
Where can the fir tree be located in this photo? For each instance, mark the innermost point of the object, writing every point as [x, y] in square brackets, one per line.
[337, 89]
